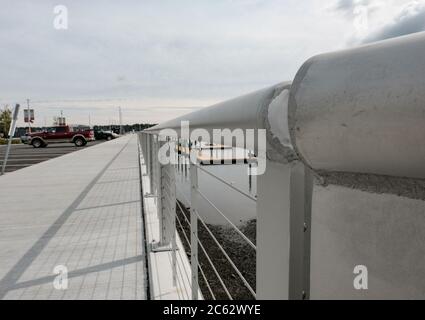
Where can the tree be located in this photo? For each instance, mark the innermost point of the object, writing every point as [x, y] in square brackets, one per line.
[5, 120]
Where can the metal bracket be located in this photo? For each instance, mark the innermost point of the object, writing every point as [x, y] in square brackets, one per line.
[156, 248]
[150, 195]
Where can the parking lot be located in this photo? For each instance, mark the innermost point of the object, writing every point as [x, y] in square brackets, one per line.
[22, 155]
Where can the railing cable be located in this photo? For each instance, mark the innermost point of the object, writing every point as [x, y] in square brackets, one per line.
[200, 268]
[209, 260]
[228, 220]
[247, 285]
[226, 183]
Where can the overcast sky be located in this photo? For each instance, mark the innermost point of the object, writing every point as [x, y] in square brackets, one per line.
[158, 59]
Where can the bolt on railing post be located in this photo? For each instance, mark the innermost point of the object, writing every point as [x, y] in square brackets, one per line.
[194, 227]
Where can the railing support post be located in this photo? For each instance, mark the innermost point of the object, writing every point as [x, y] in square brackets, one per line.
[167, 194]
[145, 147]
[194, 228]
[150, 165]
[173, 200]
[282, 237]
[157, 189]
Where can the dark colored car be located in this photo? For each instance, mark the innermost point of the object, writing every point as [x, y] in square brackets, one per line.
[105, 135]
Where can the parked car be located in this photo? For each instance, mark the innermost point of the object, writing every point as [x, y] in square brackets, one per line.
[79, 136]
[105, 135]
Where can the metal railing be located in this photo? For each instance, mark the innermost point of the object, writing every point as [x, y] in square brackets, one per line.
[163, 189]
[331, 126]
[281, 246]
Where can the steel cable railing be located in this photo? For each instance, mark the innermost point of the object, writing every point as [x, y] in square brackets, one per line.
[200, 267]
[162, 178]
[219, 211]
[228, 220]
[178, 265]
[231, 262]
[207, 256]
[246, 283]
[225, 183]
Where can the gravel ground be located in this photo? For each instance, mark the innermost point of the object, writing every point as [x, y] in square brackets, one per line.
[242, 255]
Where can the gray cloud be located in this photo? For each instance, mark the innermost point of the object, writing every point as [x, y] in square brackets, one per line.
[411, 19]
[142, 53]
[348, 6]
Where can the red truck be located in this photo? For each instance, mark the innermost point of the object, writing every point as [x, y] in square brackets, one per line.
[79, 136]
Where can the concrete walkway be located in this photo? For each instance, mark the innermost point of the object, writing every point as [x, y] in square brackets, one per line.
[81, 211]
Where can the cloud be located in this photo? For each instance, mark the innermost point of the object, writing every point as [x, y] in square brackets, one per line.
[410, 19]
[375, 20]
[349, 6]
[142, 53]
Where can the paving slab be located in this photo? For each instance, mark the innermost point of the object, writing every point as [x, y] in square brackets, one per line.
[81, 211]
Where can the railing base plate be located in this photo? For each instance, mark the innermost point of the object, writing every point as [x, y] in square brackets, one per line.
[155, 247]
[150, 195]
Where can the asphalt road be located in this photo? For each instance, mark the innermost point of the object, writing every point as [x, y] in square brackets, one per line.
[22, 155]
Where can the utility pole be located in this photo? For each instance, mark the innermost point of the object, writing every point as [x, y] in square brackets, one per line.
[120, 114]
[11, 134]
[29, 115]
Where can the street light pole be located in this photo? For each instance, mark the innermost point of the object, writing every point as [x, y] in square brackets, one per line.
[11, 134]
[29, 116]
[120, 113]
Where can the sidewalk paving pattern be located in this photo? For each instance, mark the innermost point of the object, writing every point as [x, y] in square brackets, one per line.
[22, 155]
[81, 211]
